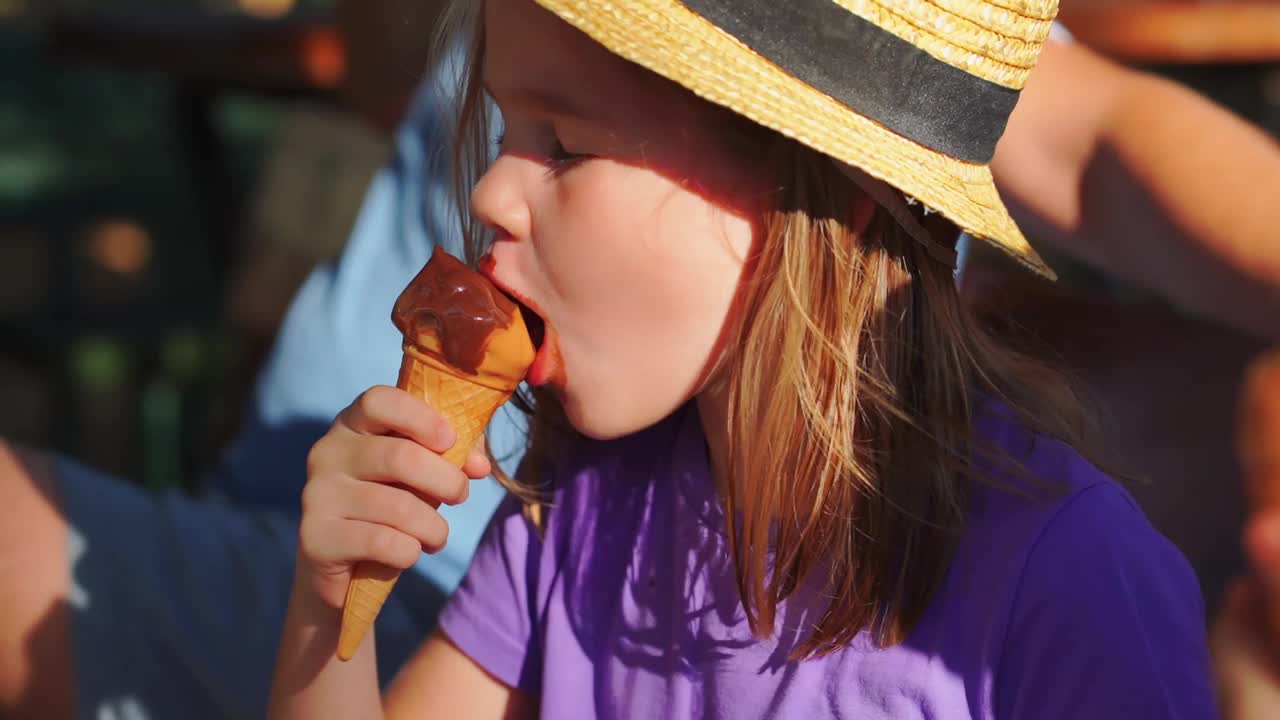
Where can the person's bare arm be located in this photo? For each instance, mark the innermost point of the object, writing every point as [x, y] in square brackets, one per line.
[438, 683]
[1149, 181]
[375, 482]
[1246, 634]
[309, 680]
[439, 671]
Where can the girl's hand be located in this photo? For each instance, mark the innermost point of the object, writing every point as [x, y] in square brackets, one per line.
[374, 483]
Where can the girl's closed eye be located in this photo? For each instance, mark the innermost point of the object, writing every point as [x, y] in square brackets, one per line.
[559, 158]
[562, 159]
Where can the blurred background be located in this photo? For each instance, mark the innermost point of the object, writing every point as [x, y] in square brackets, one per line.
[169, 172]
[171, 169]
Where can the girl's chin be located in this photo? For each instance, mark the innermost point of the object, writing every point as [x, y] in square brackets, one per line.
[589, 424]
[604, 423]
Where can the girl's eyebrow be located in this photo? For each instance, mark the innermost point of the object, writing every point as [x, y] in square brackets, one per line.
[540, 102]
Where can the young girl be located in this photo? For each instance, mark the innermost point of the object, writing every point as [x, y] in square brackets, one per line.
[775, 468]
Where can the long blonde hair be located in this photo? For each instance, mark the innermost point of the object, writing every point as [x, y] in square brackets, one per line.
[851, 450]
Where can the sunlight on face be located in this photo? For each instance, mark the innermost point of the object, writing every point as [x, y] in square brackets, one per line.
[620, 217]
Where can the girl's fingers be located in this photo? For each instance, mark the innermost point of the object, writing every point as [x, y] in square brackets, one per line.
[403, 462]
[398, 509]
[477, 465]
[386, 410]
[341, 543]
[389, 460]
[381, 544]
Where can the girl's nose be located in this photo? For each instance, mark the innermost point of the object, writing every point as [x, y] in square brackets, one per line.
[498, 200]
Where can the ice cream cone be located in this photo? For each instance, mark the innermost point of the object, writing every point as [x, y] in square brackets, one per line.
[467, 406]
[466, 350]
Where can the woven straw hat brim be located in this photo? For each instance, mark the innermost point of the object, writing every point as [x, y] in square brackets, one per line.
[671, 40]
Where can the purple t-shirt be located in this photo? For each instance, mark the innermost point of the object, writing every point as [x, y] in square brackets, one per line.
[1068, 606]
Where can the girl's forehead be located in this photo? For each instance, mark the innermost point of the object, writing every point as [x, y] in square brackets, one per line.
[522, 38]
[531, 52]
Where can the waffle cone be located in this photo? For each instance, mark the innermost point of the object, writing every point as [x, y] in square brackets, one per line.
[468, 407]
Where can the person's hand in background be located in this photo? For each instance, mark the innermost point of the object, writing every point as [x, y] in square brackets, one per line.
[1147, 181]
[1246, 635]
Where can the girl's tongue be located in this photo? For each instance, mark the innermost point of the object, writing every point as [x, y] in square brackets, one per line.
[547, 367]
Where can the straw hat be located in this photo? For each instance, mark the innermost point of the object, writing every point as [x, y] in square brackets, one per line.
[913, 92]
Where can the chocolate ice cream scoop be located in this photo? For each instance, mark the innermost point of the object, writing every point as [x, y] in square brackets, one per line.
[455, 315]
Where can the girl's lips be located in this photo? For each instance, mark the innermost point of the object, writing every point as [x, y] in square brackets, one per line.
[547, 366]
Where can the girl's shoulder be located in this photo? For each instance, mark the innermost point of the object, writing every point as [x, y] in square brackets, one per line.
[1027, 469]
[1068, 561]
[1035, 486]
[1080, 591]
[1070, 595]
